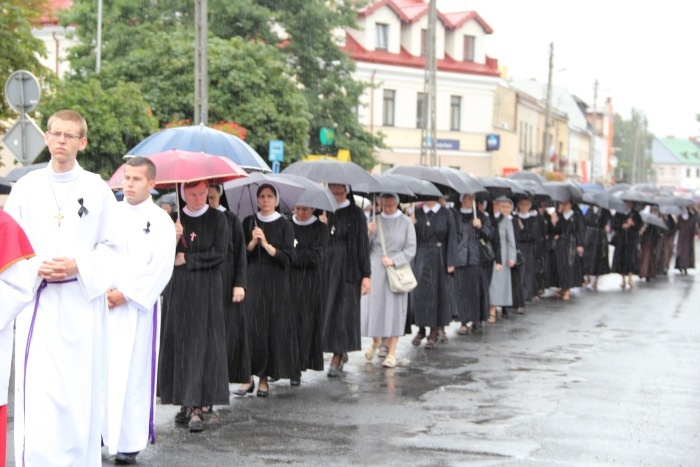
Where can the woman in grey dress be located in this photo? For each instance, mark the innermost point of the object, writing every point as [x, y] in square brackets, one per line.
[383, 312]
[501, 289]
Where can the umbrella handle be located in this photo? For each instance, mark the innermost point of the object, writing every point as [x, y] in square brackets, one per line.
[474, 207]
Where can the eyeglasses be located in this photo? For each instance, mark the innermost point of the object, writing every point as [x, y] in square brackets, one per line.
[68, 136]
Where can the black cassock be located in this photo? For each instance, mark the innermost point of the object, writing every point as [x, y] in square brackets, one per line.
[470, 286]
[235, 271]
[526, 227]
[649, 244]
[430, 302]
[192, 368]
[348, 262]
[685, 246]
[626, 242]
[595, 254]
[270, 318]
[570, 234]
[308, 291]
[544, 251]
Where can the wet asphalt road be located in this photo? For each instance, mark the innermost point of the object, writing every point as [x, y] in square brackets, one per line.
[611, 378]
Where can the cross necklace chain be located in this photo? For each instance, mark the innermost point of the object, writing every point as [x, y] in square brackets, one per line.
[59, 217]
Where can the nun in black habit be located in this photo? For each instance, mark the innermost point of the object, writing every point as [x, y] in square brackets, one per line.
[269, 241]
[568, 231]
[527, 225]
[348, 274]
[436, 238]
[234, 280]
[307, 286]
[685, 245]
[626, 241]
[472, 293]
[192, 369]
[595, 258]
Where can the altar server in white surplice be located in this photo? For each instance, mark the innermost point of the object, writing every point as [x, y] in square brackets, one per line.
[133, 314]
[61, 337]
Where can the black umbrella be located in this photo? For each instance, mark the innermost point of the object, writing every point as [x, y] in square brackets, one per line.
[422, 189]
[563, 191]
[653, 219]
[619, 187]
[670, 209]
[385, 183]
[18, 172]
[315, 196]
[636, 196]
[527, 175]
[534, 190]
[330, 171]
[241, 193]
[496, 186]
[430, 174]
[5, 186]
[605, 200]
[463, 182]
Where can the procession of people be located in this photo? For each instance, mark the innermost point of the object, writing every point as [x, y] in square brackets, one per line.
[118, 304]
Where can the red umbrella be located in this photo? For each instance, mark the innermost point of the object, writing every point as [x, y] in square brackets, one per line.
[177, 166]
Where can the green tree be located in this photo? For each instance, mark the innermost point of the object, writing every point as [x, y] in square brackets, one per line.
[634, 154]
[20, 49]
[118, 118]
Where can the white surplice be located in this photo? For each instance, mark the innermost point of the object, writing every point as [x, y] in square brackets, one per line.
[17, 286]
[133, 341]
[58, 419]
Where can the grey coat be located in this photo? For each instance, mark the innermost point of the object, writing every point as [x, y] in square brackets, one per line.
[501, 289]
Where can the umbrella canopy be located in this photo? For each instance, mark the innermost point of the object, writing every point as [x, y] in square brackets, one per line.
[200, 138]
[563, 191]
[463, 182]
[636, 196]
[653, 219]
[527, 175]
[619, 187]
[5, 186]
[430, 174]
[314, 196]
[241, 194]
[330, 171]
[18, 172]
[586, 187]
[605, 200]
[670, 209]
[496, 186]
[176, 166]
[422, 189]
[385, 183]
[534, 190]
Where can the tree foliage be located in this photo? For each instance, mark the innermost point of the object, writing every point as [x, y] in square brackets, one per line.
[634, 154]
[20, 49]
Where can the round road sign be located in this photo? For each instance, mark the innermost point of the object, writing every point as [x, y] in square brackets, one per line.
[22, 91]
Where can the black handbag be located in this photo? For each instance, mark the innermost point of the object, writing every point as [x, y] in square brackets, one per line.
[519, 259]
[486, 252]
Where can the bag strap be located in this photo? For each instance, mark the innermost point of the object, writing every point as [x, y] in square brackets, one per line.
[381, 235]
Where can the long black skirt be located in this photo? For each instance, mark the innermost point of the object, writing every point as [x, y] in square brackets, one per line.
[471, 294]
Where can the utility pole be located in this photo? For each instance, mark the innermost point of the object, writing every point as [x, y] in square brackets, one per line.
[428, 144]
[594, 122]
[548, 111]
[201, 77]
[98, 48]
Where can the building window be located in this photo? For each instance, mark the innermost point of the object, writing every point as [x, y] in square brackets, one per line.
[382, 37]
[389, 105]
[423, 42]
[422, 110]
[661, 171]
[697, 173]
[455, 112]
[687, 173]
[468, 52]
[386, 167]
[673, 171]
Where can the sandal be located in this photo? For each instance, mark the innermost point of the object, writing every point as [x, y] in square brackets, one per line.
[416, 340]
[383, 351]
[196, 425]
[372, 350]
[442, 337]
[566, 296]
[430, 344]
[389, 362]
[463, 330]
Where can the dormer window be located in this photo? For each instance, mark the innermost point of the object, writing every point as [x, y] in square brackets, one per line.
[382, 36]
[468, 53]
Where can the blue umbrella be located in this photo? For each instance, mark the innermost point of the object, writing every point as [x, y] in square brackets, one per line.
[200, 138]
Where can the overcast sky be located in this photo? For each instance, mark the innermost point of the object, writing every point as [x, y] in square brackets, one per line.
[644, 54]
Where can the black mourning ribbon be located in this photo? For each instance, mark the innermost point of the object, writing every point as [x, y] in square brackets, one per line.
[83, 210]
[148, 227]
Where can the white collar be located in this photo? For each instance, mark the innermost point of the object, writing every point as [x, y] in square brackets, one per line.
[596, 209]
[221, 208]
[63, 177]
[496, 215]
[567, 215]
[510, 217]
[435, 208]
[392, 216]
[525, 215]
[344, 204]
[308, 221]
[271, 218]
[139, 207]
[197, 213]
[466, 210]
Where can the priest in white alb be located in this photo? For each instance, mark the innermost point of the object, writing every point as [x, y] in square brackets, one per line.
[133, 314]
[61, 337]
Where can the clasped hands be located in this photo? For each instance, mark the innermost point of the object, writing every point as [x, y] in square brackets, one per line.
[57, 269]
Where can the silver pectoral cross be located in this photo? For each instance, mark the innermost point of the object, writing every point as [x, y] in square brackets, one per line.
[59, 217]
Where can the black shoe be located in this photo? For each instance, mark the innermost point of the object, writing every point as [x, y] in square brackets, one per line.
[183, 416]
[343, 360]
[262, 393]
[295, 381]
[333, 372]
[243, 392]
[125, 458]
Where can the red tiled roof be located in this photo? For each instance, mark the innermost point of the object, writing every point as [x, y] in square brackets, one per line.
[410, 11]
[54, 7]
[360, 54]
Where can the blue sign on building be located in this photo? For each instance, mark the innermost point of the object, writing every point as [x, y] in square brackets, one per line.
[493, 142]
[448, 144]
[276, 151]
